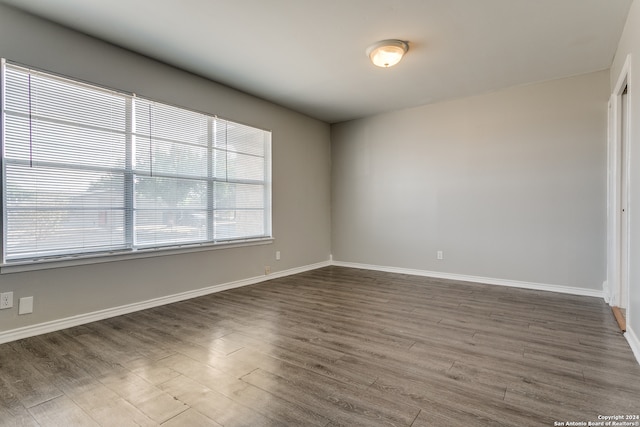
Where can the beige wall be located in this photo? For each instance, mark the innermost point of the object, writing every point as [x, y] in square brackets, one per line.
[509, 185]
[301, 180]
[630, 44]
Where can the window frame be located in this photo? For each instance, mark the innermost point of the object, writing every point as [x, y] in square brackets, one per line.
[131, 250]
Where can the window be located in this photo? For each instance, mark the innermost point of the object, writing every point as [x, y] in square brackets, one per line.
[87, 170]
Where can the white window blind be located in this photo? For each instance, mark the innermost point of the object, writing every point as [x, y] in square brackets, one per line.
[91, 170]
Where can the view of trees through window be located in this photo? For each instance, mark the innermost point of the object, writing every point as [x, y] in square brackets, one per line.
[93, 170]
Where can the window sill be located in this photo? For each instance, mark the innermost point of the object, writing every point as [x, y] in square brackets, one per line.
[45, 264]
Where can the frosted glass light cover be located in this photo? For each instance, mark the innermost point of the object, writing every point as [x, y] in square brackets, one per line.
[387, 53]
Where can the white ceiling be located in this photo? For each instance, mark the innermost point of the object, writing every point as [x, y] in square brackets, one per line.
[309, 55]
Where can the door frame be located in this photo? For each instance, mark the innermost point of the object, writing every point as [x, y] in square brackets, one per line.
[616, 292]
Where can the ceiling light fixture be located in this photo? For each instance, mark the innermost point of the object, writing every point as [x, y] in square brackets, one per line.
[387, 53]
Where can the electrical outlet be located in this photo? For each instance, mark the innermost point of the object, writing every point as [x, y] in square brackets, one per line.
[277, 255]
[6, 300]
[267, 269]
[440, 255]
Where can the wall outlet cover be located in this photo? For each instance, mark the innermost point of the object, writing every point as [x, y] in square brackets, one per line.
[6, 300]
[25, 305]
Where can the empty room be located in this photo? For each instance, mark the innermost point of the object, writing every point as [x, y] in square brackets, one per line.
[320, 213]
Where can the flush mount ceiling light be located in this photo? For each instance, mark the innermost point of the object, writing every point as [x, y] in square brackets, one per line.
[387, 53]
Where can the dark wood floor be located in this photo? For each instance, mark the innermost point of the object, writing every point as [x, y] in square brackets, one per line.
[330, 347]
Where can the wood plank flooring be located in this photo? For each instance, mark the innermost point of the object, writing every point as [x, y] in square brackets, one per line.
[331, 347]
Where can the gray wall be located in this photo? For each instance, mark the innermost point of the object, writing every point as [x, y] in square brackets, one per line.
[630, 44]
[301, 180]
[510, 185]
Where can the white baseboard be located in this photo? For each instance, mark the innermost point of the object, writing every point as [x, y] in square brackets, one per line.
[81, 319]
[633, 341]
[485, 280]
[55, 325]
[606, 292]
